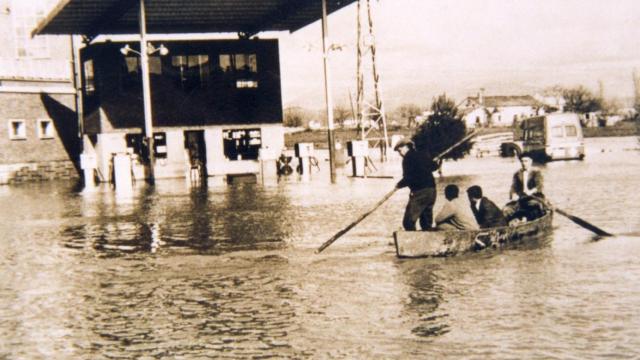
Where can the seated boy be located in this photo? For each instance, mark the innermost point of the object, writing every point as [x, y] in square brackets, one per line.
[456, 213]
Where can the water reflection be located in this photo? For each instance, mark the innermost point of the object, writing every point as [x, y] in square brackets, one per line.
[425, 294]
[187, 272]
[190, 306]
[201, 220]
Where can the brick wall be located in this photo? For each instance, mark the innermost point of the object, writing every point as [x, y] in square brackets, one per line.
[34, 158]
[41, 171]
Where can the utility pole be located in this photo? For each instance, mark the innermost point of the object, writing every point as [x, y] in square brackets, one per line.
[327, 92]
[146, 92]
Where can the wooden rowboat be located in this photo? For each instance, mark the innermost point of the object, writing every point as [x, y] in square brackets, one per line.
[411, 244]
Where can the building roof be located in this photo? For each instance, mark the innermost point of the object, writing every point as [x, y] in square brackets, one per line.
[503, 101]
[95, 17]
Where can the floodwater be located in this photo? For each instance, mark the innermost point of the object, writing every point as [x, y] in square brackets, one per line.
[230, 272]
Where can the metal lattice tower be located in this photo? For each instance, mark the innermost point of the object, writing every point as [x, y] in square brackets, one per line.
[370, 113]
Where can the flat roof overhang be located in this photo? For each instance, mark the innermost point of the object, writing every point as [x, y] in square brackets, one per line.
[96, 17]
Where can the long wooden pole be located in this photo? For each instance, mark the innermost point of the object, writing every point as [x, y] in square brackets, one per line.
[350, 226]
[146, 92]
[385, 198]
[327, 92]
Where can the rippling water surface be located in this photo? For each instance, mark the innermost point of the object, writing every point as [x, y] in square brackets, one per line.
[182, 272]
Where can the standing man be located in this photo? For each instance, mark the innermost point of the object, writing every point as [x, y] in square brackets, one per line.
[417, 168]
[527, 184]
[487, 214]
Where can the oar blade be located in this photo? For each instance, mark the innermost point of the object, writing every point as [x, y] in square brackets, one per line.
[585, 224]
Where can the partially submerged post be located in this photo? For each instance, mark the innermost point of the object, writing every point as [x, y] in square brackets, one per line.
[146, 92]
[327, 92]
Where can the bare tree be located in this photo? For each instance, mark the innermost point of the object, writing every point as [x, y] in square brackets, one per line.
[295, 116]
[340, 114]
[579, 99]
[409, 112]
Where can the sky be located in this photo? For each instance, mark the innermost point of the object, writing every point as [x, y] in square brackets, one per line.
[430, 47]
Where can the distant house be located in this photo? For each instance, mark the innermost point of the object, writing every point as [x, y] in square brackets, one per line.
[499, 110]
[420, 119]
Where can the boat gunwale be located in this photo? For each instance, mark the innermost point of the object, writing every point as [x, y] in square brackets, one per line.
[446, 234]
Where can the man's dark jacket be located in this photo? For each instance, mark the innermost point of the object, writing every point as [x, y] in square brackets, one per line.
[535, 181]
[417, 168]
[488, 215]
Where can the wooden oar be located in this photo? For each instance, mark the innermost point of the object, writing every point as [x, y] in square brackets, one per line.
[579, 221]
[582, 223]
[385, 198]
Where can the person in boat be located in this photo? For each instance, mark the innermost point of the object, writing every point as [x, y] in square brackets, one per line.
[417, 169]
[527, 185]
[456, 213]
[487, 214]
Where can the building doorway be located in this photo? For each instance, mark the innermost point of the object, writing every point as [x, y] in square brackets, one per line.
[197, 154]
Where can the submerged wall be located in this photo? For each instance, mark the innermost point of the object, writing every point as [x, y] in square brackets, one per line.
[38, 136]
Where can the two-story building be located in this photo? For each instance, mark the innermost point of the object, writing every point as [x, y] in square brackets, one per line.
[216, 104]
[38, 123]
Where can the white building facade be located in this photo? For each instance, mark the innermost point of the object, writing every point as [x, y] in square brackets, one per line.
[482, 111]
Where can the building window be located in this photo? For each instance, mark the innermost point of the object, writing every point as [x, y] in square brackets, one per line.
[132, 75]
[242, 144]
[45, 129]
[17, 130]
[89, 79]
[192, 71]
[239, 63]
[137, 145]
[134, 144]
[243, 66]
[133, 72]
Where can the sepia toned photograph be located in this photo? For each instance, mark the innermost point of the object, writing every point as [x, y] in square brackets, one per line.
[319, 179]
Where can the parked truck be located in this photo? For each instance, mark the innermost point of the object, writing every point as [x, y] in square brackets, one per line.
[556, 136]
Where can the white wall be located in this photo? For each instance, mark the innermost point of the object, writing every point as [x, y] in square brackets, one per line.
[177, 162]
[470, 118]
[505, 115]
